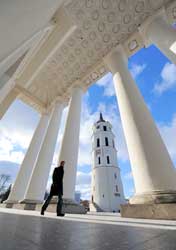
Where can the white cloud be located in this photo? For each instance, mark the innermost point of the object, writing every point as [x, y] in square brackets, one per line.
[168, 132]
[16, 130]
[128, 176]
[9, 143]
[131, 193]
[107, 81]
[9, 168]
[83, 178]
[168, 79]
[85, 191]
[137, 69]
[83, 184]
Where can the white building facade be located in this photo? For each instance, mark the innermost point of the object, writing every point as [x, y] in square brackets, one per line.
[107, 189]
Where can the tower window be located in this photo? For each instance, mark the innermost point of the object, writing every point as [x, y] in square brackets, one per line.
[98, 127]
[104, 128]
[106, 141]
[108, 160]
[117, 189]
[98, 142]
[113, 144]
[115, 176]
[117, 194]
[99, 160]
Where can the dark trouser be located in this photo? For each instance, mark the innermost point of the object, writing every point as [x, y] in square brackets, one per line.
[59, 203]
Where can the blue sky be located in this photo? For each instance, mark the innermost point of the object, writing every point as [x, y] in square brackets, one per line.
[156, 79]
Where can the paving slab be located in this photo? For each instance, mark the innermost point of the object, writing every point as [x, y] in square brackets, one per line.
[34, 232]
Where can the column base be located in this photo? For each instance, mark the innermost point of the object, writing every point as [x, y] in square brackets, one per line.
[95, 208]
[28, 201]
[149, 211]
[72, 207]
[21, 206]
[69, 207]
[27, 204]
[24, 204]
[155, 197]
[10, 201]
[8, 205]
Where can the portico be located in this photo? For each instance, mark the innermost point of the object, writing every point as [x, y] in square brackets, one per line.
[79, 43]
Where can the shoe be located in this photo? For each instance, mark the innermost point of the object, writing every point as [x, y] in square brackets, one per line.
[42, 212]
[61, 215]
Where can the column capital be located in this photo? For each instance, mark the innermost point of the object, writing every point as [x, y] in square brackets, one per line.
[111, 60]
[158, 31]
[8, 94]
[57, 102]
[79, 87]
[171, 12]
[76, 90]
[143, 29]
[9, 86]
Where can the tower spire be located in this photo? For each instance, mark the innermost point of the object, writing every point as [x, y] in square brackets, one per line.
[101, 118]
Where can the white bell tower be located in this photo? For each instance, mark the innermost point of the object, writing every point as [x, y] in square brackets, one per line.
[107, 190]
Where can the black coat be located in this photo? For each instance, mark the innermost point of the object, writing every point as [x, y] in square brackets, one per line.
[57, 185]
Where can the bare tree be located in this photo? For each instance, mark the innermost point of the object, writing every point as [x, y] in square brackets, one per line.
[4, 196]
[4, 179]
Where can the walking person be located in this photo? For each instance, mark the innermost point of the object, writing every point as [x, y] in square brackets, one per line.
[56, 189]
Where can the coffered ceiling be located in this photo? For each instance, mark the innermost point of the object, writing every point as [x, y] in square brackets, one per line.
[100, 25]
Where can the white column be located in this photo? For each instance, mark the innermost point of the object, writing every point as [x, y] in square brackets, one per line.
[163, 35]
[19, 188]
[70, 144]
[18, 54]
[38, 181]
[153, 171]
[7, 97]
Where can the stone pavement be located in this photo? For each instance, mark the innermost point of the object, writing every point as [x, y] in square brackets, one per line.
[24, 230]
